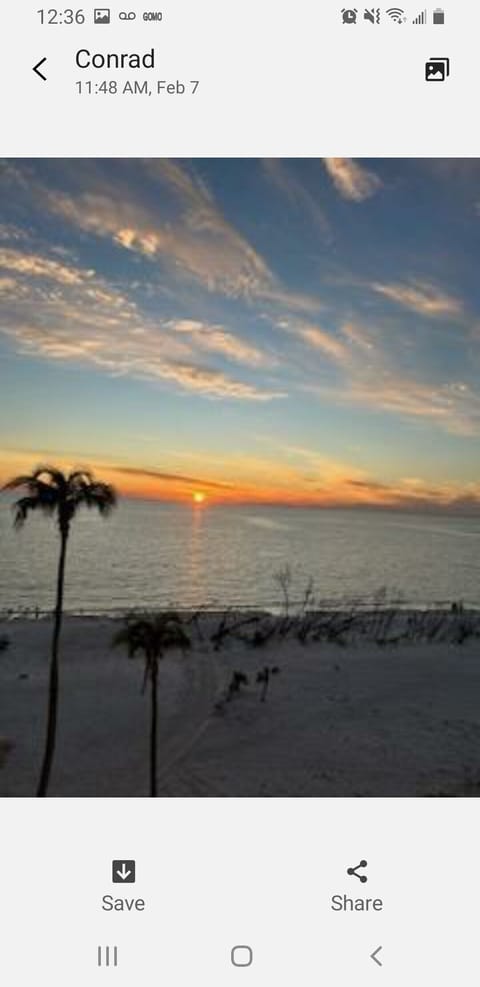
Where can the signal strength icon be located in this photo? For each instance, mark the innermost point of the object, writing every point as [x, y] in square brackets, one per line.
[397, 15]
[421, 19]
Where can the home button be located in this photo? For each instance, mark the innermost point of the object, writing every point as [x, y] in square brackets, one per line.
[242, 956]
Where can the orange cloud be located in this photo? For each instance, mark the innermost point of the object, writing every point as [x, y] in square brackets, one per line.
[215, 339]
[308, 480]
[421, 297]
[37, 266]
[351, 179]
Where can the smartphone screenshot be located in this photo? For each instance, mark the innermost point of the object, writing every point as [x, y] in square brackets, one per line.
[239, 494]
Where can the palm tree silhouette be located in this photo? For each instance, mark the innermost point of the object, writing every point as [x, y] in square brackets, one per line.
[54, 493]
[153, 635]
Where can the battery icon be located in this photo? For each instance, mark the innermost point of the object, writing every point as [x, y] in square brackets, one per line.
[439, 16]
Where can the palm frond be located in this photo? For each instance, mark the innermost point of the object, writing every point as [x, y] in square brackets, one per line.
[152, 634]
[55, 476]
[101, 496]
[134, 635]
[23, 507]
[80, 475]
[50, 490]
[16, 482]
[34, 484]
[84, 490]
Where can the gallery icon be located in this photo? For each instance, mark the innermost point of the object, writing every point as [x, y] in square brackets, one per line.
[437, 70]
[349, 16]
[101, 15]
[372, 14]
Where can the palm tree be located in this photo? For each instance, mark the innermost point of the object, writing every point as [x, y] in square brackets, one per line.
[58, 495]
[153, 635]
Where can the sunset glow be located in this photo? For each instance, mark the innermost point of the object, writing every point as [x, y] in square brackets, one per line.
[281, 332]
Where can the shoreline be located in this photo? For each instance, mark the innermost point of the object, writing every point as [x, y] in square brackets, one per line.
[446, 607]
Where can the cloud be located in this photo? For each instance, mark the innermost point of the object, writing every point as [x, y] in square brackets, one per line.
[304, 477]
[351, 180]
[182, 228]
[444, 405]
[318, 339]
[416, 495]
[128, 353]
[369, 372]
[329, 344]
[341, 484]
[371, 377]
[64, 313]
[359, 337]
[281, 176]
[191, 234]
[36, 266]
[154, 474]
[9, 232]
[215, 339]
[213, 383]
[172, 236]
[7, 286]
[420, 297]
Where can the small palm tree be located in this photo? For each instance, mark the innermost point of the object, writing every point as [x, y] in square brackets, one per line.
[263, 677]
[58, 495]
[153, 635]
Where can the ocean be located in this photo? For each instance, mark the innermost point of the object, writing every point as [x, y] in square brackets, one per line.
[152, 554]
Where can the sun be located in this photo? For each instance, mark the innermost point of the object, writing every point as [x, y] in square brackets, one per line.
[198, 497]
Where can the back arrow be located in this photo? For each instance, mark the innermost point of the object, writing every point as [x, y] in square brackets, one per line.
[37, 67]
[124, 873]
[373, 956]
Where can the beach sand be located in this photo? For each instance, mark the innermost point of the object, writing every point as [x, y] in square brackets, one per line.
[353, 720]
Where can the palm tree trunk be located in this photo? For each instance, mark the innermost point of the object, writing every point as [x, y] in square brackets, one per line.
[153, 728]
[53, 677]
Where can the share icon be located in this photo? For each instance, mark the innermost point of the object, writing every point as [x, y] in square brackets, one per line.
[352, 872]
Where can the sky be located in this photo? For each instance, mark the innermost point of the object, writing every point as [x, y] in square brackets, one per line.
[295, 332]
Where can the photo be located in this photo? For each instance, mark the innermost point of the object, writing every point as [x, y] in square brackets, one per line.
[239, 472]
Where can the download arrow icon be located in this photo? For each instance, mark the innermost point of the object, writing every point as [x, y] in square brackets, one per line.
[123, 871]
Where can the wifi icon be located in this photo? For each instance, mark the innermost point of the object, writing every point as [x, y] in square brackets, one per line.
[397, 15]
